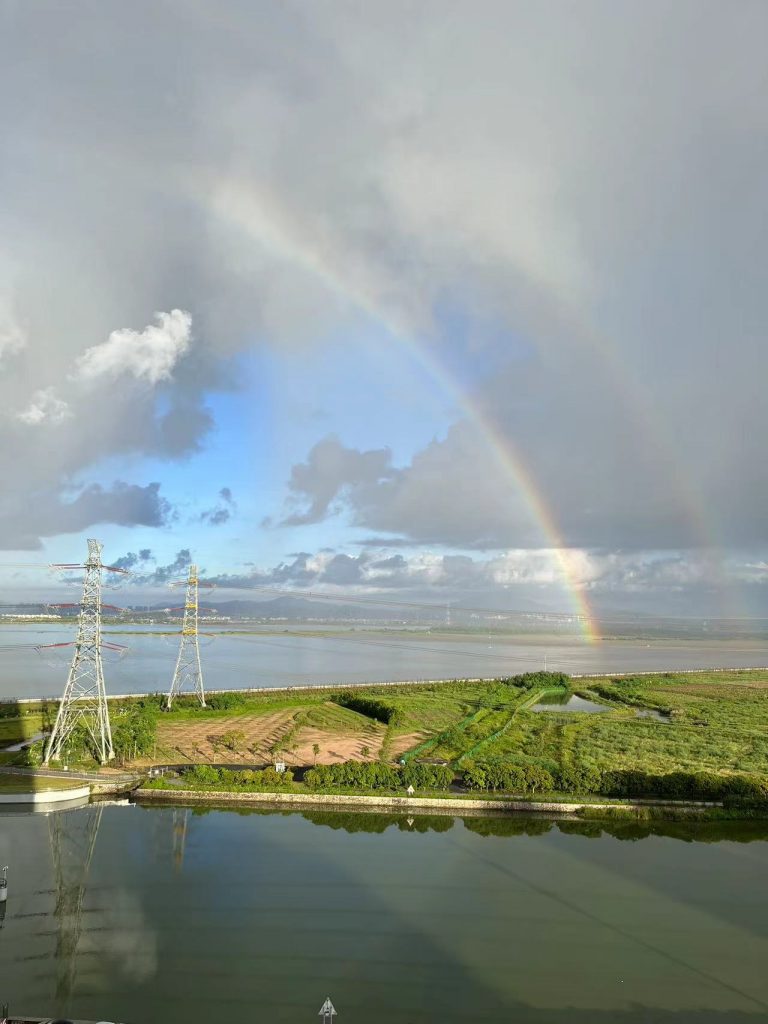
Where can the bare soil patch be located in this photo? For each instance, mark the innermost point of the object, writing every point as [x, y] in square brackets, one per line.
[400, 744]
[196, 740]
[335, 746]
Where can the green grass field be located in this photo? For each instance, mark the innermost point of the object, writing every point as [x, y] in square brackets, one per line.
[717, 722]
[714, 722]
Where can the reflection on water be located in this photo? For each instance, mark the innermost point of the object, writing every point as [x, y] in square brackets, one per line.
[573, 703]
[210, 915]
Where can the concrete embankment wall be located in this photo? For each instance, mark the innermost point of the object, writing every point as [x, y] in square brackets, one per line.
[46, 796]
[170, 796]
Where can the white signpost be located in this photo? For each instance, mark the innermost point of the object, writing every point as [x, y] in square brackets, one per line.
[279, 766]
[327, 1011]
[410, 791]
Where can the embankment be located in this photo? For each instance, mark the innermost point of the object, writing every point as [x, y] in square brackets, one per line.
[452, 806]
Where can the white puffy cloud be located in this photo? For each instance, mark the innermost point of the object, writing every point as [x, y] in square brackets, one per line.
[45, 407]
[150, 354]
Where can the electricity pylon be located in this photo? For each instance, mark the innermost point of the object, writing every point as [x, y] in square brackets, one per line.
[188, 669]
[84, 698]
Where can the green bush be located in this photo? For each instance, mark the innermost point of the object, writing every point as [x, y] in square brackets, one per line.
[535, 680]
[368, 706]
[225, 701]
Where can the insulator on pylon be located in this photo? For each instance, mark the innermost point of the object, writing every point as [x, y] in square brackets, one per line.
[84, 698]
[188, 672]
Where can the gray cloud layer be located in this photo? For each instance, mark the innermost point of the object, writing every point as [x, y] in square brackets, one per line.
[588, 177]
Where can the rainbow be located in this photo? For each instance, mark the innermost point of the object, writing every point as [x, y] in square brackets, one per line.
[254, 211]
[265, 220]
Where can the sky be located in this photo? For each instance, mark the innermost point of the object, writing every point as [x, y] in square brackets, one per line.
[461, 301]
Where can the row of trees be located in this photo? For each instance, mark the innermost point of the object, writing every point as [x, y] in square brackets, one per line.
[681, 785]
[377, 775]
[586, 780]
[264, 778]
[499, 776]
[510, 778]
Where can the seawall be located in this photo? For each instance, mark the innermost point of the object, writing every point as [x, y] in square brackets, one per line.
[170, 796]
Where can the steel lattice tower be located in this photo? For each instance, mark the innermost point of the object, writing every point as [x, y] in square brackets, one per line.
[84, 698]
[188, 670]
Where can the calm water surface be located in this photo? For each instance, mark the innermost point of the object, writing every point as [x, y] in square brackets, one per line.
[345, 657]
[258, 916]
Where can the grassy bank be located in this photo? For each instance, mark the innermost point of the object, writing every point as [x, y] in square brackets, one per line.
[710, 743]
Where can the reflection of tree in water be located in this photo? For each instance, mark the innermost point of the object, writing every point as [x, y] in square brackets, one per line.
[517, 824]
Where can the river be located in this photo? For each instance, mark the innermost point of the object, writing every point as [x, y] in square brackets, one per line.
[258, 916]
[345, 656]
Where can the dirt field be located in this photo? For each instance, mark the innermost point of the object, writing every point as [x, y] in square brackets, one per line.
[289, 734]
[199, 741]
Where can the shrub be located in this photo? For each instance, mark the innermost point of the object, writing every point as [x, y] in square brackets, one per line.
[534, 680]
[368, 706]
[233, 739]
[225, 701]
[204, 774]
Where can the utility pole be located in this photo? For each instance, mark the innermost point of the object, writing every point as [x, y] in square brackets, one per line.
[188, 669]
[84, 698]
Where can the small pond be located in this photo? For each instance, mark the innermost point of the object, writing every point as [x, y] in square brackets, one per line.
[573, 703]
[568, 702]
